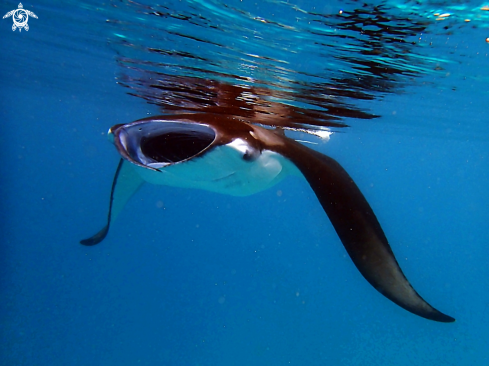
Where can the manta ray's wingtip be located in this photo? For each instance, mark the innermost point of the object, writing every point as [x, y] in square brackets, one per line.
[97, 238]
[443, 318]
[423, 309]
[437, 316]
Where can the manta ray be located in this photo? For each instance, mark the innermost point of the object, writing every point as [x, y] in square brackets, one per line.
[229, 155]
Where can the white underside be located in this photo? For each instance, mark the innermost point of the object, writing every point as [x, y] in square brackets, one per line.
[223, 170]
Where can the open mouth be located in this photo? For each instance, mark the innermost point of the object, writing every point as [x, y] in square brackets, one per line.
[157, 144]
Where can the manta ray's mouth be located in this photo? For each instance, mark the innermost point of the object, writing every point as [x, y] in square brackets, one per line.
[156, 144]
[173, 147]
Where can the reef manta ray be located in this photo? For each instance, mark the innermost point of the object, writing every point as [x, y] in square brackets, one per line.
[226, 154]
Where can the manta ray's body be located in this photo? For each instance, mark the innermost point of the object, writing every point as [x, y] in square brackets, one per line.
[228, 155]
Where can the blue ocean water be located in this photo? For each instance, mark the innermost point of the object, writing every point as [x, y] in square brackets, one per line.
[188, 277]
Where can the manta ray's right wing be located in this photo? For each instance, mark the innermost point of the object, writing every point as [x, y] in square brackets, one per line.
[126, 182]
[358, 228]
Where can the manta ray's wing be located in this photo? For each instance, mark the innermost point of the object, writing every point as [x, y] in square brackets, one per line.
[9, 14]
[358, 228]
[31, 14]
[126, 183]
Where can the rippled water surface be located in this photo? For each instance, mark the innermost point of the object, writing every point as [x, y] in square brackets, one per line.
[396, 91]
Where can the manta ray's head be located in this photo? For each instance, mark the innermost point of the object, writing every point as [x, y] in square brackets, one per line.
[163, 141]
[155, 144]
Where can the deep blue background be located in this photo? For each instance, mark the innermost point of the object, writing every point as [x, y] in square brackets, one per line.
[215, 280]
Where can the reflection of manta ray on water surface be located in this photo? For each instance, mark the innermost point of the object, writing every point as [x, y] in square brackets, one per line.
[229, 154]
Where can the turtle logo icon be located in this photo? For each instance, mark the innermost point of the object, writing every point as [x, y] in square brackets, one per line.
[20, 17]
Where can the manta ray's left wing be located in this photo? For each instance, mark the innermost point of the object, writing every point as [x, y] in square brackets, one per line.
[126, 182]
